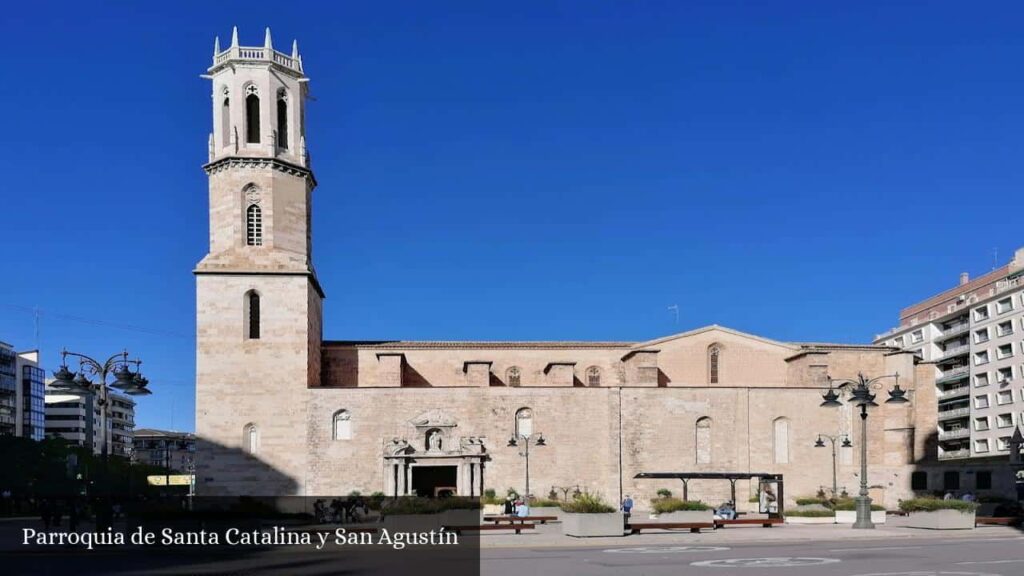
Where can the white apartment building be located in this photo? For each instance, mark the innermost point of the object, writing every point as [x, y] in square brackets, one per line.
[21, 393]
[91, 420]
[974, 336]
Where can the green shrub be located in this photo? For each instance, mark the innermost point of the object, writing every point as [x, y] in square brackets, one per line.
[490, 497]
[664, 493]
[811, 513]
[754, 499]
[851, 504]
[545, 503]
[933, 504]
[666, 505]
[810, 501]
[587, 503]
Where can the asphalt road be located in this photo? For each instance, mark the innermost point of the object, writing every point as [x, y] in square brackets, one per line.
[921, 557]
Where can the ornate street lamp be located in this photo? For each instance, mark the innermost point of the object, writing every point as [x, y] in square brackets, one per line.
[862, 397]
[820, 443]
[526, 440]
[125, 379]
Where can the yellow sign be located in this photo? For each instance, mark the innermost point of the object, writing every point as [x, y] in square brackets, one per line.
[176, 480]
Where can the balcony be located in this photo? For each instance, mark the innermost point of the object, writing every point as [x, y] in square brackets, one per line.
[952, 454]
[954, 392]
[954, 434]
[953, 374]
[955, 330]
[957, 413]
[954, 352]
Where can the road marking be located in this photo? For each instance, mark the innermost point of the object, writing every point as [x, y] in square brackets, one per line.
[993, 562]
[774, 562]
[928, 573]
[666, 549]
[878, 548]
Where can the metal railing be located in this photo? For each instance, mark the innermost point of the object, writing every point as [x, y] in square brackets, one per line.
[950, 454]
[954, 434]
[958, 391]
[955, 413]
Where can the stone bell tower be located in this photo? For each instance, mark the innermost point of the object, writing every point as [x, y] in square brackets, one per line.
[258, 301]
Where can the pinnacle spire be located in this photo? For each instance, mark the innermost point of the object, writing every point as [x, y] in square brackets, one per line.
[216, 45]
[266, 41]
[234, 36]
[295, 48]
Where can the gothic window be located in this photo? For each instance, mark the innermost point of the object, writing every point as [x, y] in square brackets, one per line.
[225, 122]
[252, 315]
[512, 376]
[254, 225]
[252, 114]
[703, 440]
[282, 119]
[251, 438]
[781, 440]
[524, 422]
[342, 425]
[593, 376]
[714, 358]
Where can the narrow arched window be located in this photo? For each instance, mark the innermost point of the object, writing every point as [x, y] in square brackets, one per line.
[593, 376]
[282, 119]
[512, 376]
[781, 440]
[252, 315]
[254, 225]
[252, 115]
[342, 425]
[702, 440]
[524, 423]
[251, 438]
[714, 360]
[225, 122]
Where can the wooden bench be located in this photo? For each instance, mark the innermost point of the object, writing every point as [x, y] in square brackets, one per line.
[763, 522]
[481, 527]
[636, 527]
[997, 521]
[511, 519]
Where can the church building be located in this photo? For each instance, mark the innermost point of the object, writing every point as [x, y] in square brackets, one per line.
[282, 411]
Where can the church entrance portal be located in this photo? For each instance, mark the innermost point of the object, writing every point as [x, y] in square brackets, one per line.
[434, 481]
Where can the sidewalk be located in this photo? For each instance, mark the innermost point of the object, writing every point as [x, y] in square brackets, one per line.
[551, 536]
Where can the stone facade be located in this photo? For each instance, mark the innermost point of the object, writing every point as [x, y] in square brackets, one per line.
[281, 412]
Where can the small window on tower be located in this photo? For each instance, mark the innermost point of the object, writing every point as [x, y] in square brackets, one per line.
[282, 119]
[252, 316]
[254, 225]
[252, 115]
[225, 122]
[593, 376]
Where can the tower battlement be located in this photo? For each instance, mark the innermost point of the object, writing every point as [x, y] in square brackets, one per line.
[255, 54]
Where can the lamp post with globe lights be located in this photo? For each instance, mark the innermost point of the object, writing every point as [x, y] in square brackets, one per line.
[524, 441]
[861, 395]
[820, 443]
[127, 380]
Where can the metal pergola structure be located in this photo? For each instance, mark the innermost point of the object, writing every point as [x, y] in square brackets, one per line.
[732, 477]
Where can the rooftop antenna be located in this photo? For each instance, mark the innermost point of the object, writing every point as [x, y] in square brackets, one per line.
[674, 309]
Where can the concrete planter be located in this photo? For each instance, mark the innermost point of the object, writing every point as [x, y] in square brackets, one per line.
[684, 516]
[942, 520]
[412, 522]
[546, 511]
[588, 525]
[810, 520]
[850, 516]
[493, 509]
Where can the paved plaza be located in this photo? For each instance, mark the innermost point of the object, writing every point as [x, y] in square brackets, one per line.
[800, 550]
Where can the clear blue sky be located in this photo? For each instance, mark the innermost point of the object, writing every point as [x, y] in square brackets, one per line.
[547, 170]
